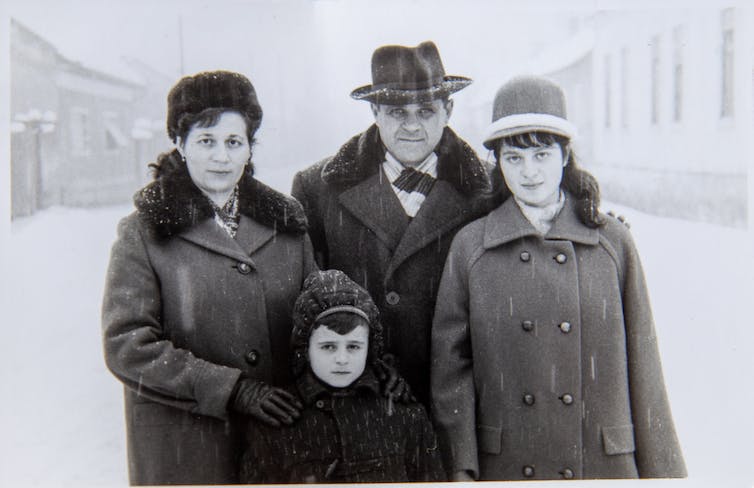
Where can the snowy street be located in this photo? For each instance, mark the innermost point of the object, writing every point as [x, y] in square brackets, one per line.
[62, 411]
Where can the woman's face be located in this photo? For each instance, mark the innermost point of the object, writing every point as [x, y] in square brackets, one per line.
[216, 155]
[533, 174]
[338, 359]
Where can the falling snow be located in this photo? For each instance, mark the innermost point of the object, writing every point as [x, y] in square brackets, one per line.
[64, 425]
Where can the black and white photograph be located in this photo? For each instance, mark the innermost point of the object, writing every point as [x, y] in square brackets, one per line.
[348, 241]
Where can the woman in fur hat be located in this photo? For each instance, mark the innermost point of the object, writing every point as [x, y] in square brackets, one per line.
[545, 362]
[347, 432]
[201, 281]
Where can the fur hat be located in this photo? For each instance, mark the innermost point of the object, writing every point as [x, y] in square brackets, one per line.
[212, 89]
[402, 75]
[323, 292]
[527, 104]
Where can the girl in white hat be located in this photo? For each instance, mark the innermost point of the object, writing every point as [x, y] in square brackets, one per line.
[545, 362]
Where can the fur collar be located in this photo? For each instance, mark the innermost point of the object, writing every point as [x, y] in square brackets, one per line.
[361, 156]
[173, 203]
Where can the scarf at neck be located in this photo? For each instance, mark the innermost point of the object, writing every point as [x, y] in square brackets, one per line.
[542, 217]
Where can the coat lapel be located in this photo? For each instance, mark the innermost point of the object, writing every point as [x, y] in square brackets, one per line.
[443, 210]
[374, 203]
[211, 236]
[507, 223]
[252, 235]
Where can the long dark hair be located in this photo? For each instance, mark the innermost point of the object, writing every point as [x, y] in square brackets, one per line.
[579, 183]
[171, 161]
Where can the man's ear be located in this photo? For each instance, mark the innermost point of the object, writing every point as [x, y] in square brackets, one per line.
[375, 108]
[449, 107]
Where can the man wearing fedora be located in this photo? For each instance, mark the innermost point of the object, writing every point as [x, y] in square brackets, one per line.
[385, 208]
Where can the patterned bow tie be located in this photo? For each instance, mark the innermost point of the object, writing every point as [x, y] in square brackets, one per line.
[411, 181]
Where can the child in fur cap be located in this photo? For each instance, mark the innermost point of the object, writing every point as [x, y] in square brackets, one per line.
[347, 432]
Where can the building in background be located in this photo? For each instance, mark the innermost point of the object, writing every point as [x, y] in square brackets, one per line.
[79, 136]
[663, 102]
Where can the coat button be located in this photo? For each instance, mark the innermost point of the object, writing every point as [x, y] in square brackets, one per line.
[252, 357]
[565, 327]
[567, 398]
[525, 256]
[528, 471]
[527, 325]
[529, 399]
[392, 298]
[561, 258]
[244, 268]
[567, 474]
[319, 404]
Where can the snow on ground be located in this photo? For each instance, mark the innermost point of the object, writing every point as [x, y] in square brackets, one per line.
[62, 413]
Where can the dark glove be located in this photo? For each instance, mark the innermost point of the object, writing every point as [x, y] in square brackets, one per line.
[394, 386]
[621, 218]
[264, 402]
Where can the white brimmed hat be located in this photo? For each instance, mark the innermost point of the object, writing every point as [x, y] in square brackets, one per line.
[527, 104]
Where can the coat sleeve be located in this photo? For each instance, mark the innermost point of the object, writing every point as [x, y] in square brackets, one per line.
[305, 185]
[452, 382]
[658, 453]
[136, 351]
[423, 461]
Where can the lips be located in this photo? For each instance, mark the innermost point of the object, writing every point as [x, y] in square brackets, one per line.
[341, 372]
[531, 186]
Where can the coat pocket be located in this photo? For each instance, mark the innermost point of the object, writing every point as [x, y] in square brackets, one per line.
[489, 439]
[618, 439]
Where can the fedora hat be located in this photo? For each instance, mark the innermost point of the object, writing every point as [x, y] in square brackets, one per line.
[528, 104]
[402, 74]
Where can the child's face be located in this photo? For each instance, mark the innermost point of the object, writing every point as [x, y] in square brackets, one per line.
[533, 174]
[338, 359]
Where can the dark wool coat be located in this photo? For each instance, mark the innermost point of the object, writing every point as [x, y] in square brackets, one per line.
[358, 225]
[187, 309]
[544, 355]
[344, 435]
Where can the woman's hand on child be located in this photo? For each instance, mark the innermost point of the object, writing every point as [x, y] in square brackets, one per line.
[266, 403]
[394, 386]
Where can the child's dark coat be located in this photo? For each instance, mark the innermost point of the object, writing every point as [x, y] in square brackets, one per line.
[344, 435]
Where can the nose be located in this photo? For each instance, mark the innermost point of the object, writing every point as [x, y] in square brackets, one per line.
[341, 357]
[528, 169]
[221, 154]
[411, 123]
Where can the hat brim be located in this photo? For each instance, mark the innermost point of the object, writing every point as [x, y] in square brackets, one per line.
[395, 96]
[522, 123]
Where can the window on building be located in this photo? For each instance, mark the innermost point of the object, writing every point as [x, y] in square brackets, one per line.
[608, 91]
[655, 80]
[81, 142]
[727, 24]
[679, 43]
[625, 77]
[114, 137]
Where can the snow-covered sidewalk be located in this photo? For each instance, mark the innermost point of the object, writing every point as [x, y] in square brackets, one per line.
[62, 413]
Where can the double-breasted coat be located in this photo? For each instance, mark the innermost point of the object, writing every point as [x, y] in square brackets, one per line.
[344, 435]
[186, 310]
[545, 362]
[358, 225]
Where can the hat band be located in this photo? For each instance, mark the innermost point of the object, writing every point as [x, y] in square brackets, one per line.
[408, 85]
[530, 122]
[342, 309]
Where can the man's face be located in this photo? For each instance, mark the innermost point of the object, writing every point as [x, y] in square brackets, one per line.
[411, 132]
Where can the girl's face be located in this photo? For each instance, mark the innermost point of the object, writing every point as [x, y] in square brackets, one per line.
[216, 155]
[338, 359]
[533, 174]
